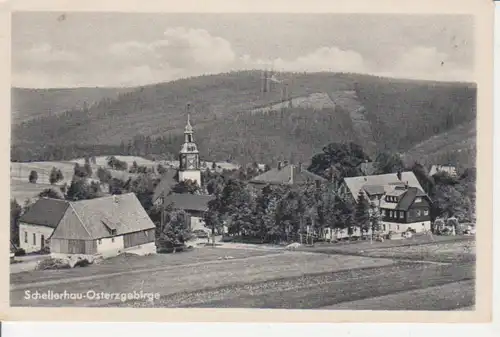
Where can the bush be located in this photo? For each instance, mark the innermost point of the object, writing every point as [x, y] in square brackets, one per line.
[20, 252]
[33, 177]
[52, 264]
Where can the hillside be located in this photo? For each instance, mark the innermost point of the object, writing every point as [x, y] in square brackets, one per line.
[234, 120]
[32, 103]
[456, 147]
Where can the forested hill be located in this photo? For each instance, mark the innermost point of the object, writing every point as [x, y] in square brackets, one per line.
[32, 103]
[375, 112]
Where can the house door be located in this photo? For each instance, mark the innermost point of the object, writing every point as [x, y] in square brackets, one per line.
[42, 241]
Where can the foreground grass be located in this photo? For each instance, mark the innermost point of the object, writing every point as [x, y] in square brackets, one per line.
[184, 277]
[450, 296]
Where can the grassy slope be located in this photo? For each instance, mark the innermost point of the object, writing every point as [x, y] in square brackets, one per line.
[400, 114]
[31, 103]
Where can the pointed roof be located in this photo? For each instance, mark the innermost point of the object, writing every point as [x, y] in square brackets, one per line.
[98, 218]
[188, 128]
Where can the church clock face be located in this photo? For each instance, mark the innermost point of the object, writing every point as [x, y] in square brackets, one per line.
[191, 162]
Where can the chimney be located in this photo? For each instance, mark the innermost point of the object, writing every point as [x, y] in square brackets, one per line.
[400, 175]
[280, 165]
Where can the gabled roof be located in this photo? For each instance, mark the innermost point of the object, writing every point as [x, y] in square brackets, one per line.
[406, 199]
[97, 218]
[289, 174]
[189, 202]
[45, 212]
[166, 183]
[354, 184]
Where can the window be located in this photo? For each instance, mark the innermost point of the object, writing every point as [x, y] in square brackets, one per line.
[384, 228]
[426, 212]
[382, 212]
[397, 227]
[25, 237]
[113, 232]
[34, 238]
[417, 212]
[99, 242]
[392, 214]
[401, 214]
[418, 199]
[113, 239]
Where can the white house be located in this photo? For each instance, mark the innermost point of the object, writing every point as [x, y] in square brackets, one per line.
[38, 223]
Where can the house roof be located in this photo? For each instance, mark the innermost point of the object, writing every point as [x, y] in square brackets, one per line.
[166, 183]
[354, 184]
[95, 218]
[406, 199]
[45, 212]
[374, 189]
[289, 174]
[189, 202]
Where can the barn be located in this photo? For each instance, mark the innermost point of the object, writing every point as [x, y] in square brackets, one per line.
[104, 227]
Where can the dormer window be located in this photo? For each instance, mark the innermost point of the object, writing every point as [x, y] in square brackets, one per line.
[113, 232]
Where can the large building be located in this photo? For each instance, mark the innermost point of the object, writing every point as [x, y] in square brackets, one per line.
[286, 174]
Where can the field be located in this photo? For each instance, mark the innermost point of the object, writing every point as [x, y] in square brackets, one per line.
[232, 278]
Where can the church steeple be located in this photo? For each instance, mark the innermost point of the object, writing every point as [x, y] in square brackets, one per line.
[189, 158]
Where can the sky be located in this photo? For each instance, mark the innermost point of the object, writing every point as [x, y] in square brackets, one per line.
[121, 50]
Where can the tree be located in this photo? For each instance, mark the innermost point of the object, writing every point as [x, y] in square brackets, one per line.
[79, 171]
[362, 214]
[104, 175]
[388, 163]
[55, 176]
[345, 157]
[88, 169]
[116, 164]
[79, 189]
[375, 218]
[51, 193]
[161, 169]
[15, 213]
[185, 187]
[174, 230]
[33, 177]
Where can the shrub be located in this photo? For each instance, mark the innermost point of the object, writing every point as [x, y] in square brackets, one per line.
[33, 177]
[52, 263]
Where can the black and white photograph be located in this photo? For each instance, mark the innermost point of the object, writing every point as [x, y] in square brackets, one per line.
[319, 161]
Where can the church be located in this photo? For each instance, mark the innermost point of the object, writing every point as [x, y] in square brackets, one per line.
[189, 166]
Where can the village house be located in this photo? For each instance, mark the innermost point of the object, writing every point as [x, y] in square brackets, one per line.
[399, 197]
[451, 170]
[194, 205]
[38, 223]
[102, 227]
[405, 208]
[286, 174]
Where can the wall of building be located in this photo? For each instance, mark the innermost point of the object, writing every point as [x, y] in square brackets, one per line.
[110, 246]
[401, 227]
[138, 238]
[72, 246]
[27, 231]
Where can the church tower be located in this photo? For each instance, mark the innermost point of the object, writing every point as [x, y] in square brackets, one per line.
[189, 157]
